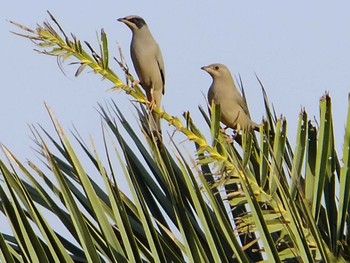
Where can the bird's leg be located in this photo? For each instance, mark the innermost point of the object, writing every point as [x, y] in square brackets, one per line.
[152, 103]
[134, 83]
[227, 137]
[231, 139]
[223, 130]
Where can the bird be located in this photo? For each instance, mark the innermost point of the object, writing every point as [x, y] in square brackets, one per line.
[148, 63]
[223, 91]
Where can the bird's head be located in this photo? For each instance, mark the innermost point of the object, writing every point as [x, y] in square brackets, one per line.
[216, 70]
[133, 22]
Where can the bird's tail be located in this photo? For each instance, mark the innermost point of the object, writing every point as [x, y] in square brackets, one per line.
[150, 122]
[156, 128]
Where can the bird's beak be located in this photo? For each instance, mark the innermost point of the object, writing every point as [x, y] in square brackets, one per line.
[205, 68]
[122, 19]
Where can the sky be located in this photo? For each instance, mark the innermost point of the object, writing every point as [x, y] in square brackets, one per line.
[298, 49]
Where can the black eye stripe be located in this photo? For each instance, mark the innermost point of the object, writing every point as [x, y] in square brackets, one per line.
[138, 21]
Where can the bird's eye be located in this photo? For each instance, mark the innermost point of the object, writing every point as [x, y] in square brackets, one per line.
[216, 67]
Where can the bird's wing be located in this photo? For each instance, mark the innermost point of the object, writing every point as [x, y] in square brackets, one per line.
[241, 102]
[161, 67]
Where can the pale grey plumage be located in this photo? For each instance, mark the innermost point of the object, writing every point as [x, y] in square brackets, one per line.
[223, 91]
[148, 62]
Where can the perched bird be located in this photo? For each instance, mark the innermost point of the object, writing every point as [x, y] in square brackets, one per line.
[223, 91]
[148, 63]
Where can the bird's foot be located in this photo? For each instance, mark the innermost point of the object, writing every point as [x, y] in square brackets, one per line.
[223, 130]
[152, 105]
[229, 139]
[135, 83]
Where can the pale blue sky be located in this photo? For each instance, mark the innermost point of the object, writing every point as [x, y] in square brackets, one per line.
[298, 50]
